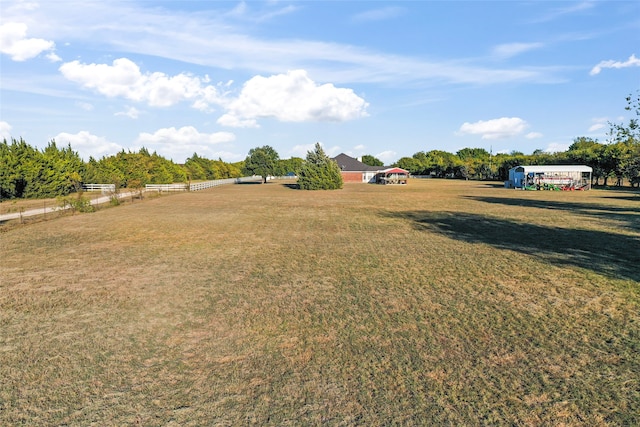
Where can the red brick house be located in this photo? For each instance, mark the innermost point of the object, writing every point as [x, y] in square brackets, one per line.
[353, 170]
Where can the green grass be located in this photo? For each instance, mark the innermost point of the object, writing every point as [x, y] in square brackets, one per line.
[436, 303]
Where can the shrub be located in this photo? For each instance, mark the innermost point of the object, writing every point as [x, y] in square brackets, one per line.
[77, 203]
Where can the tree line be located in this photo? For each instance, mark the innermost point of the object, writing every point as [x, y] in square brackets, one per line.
[27, 172]
[617, 160]
[31, 173]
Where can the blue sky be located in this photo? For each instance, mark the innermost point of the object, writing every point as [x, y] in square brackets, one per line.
[386, 78]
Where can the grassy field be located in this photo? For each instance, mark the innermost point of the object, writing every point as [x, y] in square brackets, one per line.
[436, 303]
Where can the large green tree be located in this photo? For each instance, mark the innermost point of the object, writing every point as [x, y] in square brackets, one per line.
[200, 169]
[290, 166]
[262, 161]
[625, 137]
[632, 167]
[9, 170]
[474, 163]
[370, 160]
[141, 168]
[629, 132]
[411, 164]
[319, 172]
[440, 163]
[26, 172]
[587, 151]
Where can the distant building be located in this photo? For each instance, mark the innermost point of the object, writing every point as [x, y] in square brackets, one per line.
[554, 177]
[353, 170]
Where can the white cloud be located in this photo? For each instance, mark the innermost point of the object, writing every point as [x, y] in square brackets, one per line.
[14, 42]
[504, 127]
[331, 151]
[509, 50]
[5, 130]
[131, 112]
[233, 121]
[24, 5]
[85, 106]
[227, 156]
[87, 144]
[387, 157]
[533, 135]
[599, 123]
[217, 40]
[556, 147]
[51, 56]
[253, 14]
[124, 79]
[292, 97]
[379, 14]
[170, 142]
[301, 150]
[568, 10]
[179, 144]
[631, 62]
[186, 135]
[275, 13]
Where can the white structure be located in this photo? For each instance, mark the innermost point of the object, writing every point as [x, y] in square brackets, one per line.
[555, 177]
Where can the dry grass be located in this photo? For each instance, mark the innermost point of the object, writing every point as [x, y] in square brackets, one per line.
[16, 205]
[437, 303]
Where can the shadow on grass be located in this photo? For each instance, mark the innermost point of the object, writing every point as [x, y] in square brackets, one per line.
[609, 254]
[491, 184]
[291, 186]
[630, 197]
[628, 216]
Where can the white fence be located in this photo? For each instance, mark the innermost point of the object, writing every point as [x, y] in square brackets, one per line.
[161, 188]
[196, 186]
[208, 184]
[99, 187]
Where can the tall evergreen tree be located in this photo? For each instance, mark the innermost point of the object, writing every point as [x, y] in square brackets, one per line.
[319, 172]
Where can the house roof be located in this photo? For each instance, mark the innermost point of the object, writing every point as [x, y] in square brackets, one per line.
[395, 170]
[349, 164]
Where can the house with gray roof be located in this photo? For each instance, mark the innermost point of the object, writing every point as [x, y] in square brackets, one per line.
[353, 170]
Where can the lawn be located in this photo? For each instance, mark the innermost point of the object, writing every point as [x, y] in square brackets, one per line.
[8, 206]
[440, 302]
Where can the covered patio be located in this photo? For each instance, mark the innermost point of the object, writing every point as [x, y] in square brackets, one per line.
[392, 176]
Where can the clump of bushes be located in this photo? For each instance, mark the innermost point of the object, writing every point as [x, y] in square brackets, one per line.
[76, 203]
